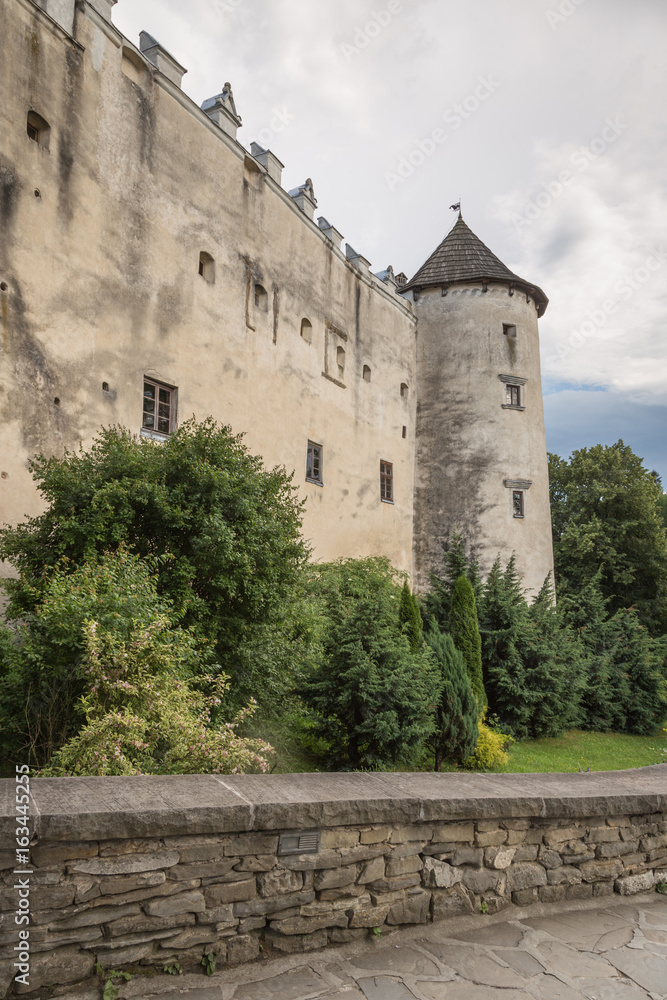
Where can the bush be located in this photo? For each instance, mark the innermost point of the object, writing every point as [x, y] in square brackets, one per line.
[456, 728]
[490, 751]
[373, 697]
[464, 629]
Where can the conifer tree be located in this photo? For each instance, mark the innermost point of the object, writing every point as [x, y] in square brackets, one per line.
[438, 602]
[464, 629]
[456, 732]
[410, 618]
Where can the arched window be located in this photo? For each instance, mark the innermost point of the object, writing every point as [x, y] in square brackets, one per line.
[404, 390]
[366, 374]
[340, 360]
[307, 330]
[207, 266]
[38, 129]
[261, 298]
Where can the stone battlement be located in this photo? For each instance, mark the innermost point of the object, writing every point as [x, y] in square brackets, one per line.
[147, 871]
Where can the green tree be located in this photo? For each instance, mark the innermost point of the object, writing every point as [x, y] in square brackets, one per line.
[373, 697]
[457, 562]
[224, 533]
[410, 618]
[464, 630]
[456, 715]
[607, 525]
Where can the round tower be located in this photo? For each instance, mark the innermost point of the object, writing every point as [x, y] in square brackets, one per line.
[481, 460]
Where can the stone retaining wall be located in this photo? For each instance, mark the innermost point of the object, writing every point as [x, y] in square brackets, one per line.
[141, 871]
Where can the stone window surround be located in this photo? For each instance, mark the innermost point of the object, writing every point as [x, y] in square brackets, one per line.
[518, 381]
[518, 486]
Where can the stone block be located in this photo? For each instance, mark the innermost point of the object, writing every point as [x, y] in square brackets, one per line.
[203, 934]
[152, 892]
[296, 944]
[251, 924]
[603, 889]
[567, 875]
[232, 892]
[96, 916]
[525, 875]
[308, 925]
[129, 845]
[526, 852]
[379, 898]
[562, 835]
[125, 956]
[492, 838]
[321, 908]
[452, 833]
[43, 855]
[525, 897]
[257, 907]
[618, 849]
[372, 871]
[369, 916]
[551, 893]
[516, 824]
[583, 891]
[450, 902]
[630, 884]
[415, 909]
[402, 866]
[333, 878]
[481, 880]
[141, 924]
[342, 935]
[312, 862]
[339, 837]
[351, 855]
[488, 825]
[185, 902]
[652, 843]
[376, 835]
[256, 863]
[113, 885]
[202, 869]
[602, 835]
[468, 856]
[500, 857]
[495, 902]
[516, 837]
[401, 834]
[601, 871]
[410, 849]
[56, 968]
[345, 892]
[218, 915]
[534, 836]
[658, 855]
[252, 843]
[127, 864]
[399, 882]
[243, 948]
[439, 874]
[232, 876]
[281, 880]
[202, 852]
[549, 858]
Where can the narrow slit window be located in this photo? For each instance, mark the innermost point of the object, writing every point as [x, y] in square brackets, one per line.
[340, 361]
[387, 482]
[307, 330]
[314, 463]
[509, 330]
[517, 503]
[404, 390]
[366, 373]
[261, 298]
[38, 129]
[207, 266]
[159, 410]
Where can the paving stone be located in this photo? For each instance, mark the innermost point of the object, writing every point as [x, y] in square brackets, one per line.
[551, 988]
[384, 988]
[610, 989]
[476, 965]
[464, 991]
[520, 961]
[396, 959]
[508, 935]
[287, 986]
[559, 957]
[645, 968]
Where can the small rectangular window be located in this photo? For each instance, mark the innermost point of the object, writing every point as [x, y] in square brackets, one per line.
[387, 482]
[314, 463]
[513, 395]
[509, 330]
[517, 503]
[159, 411]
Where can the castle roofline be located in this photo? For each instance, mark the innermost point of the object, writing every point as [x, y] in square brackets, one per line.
[462, 257]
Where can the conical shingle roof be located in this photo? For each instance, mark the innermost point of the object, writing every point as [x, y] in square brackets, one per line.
[462, 257]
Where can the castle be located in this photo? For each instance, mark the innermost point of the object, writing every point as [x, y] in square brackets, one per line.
[153, 269]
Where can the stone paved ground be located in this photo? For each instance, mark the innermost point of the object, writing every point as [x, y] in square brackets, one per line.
[613, 950]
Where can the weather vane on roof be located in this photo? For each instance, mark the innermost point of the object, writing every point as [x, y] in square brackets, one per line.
[456, 207]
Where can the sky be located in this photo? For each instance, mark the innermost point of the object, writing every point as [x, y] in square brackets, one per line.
[544, 117]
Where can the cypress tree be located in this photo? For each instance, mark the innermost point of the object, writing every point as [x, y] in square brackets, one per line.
[464, 629]
[456, 733]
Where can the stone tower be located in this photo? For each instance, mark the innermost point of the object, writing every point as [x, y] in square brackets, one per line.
[481, 460]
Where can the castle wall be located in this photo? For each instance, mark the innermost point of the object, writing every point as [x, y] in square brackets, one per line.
[99, 283]
[470, 442]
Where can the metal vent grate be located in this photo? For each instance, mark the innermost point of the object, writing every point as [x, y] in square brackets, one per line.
[299, 843]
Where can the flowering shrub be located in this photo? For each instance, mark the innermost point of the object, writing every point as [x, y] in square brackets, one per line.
[490, 751]
[144, 711]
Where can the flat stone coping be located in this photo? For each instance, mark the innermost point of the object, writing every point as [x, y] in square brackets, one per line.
[169, 805]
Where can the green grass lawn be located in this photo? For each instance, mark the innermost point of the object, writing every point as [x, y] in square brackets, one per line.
[578, 749]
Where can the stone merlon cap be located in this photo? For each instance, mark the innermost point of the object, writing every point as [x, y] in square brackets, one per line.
[462, 257]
